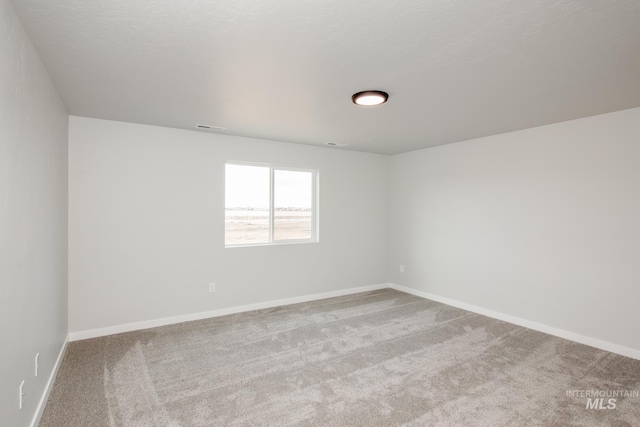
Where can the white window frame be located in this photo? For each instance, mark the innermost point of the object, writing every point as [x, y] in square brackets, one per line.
[314, 204]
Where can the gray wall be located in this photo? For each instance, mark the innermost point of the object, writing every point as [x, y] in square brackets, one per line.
[541, 224]
[33, 221]
[146, 218]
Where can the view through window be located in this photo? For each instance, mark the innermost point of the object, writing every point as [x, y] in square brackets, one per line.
[269, 204]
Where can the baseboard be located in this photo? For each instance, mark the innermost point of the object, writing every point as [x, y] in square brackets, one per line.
[593, 342]
[94, 333]
[582, 339]
[49, 386]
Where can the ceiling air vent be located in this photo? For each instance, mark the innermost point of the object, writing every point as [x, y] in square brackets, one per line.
[209, 127]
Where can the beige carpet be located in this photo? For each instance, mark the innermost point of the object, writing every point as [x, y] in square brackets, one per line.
[381, 358]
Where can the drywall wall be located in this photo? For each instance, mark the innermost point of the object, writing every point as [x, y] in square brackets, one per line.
[33, 222]
[146, 224]
[540, 224]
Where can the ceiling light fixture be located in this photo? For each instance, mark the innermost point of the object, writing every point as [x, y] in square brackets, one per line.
[370, 97]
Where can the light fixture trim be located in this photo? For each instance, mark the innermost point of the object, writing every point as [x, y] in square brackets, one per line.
[369, 98]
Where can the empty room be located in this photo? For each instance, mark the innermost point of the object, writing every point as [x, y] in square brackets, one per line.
[319, 213]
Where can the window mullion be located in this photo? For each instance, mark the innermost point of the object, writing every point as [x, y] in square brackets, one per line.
[271, 203]
[314, 206]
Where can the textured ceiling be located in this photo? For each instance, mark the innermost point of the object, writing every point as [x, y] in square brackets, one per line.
[286, 69]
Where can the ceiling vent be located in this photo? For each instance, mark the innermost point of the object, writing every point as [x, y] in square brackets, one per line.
[209, 127]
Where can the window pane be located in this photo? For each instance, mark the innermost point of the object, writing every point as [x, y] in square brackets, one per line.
[246, 205]
[293, 193]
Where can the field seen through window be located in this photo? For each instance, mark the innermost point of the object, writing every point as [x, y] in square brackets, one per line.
[245, 226]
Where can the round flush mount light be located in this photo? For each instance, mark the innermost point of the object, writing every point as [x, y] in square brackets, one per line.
[335, 144]
[370, 97]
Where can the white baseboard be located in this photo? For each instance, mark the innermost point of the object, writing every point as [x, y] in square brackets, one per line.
[582, 339]
[593, 342]
[94, 333]
[49, 386]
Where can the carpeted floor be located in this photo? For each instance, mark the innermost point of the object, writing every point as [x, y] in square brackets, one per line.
[382, 358]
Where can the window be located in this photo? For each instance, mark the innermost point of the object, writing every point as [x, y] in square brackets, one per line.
[269, 204]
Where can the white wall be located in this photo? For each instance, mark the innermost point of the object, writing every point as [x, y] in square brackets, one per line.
[33, 222]
[541, 224]
[146, 224]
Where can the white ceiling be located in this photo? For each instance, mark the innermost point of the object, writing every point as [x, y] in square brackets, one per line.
[286, 69]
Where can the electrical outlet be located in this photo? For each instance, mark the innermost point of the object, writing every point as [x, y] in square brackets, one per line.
[212, 287]
[401, 268]
[21, 394]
